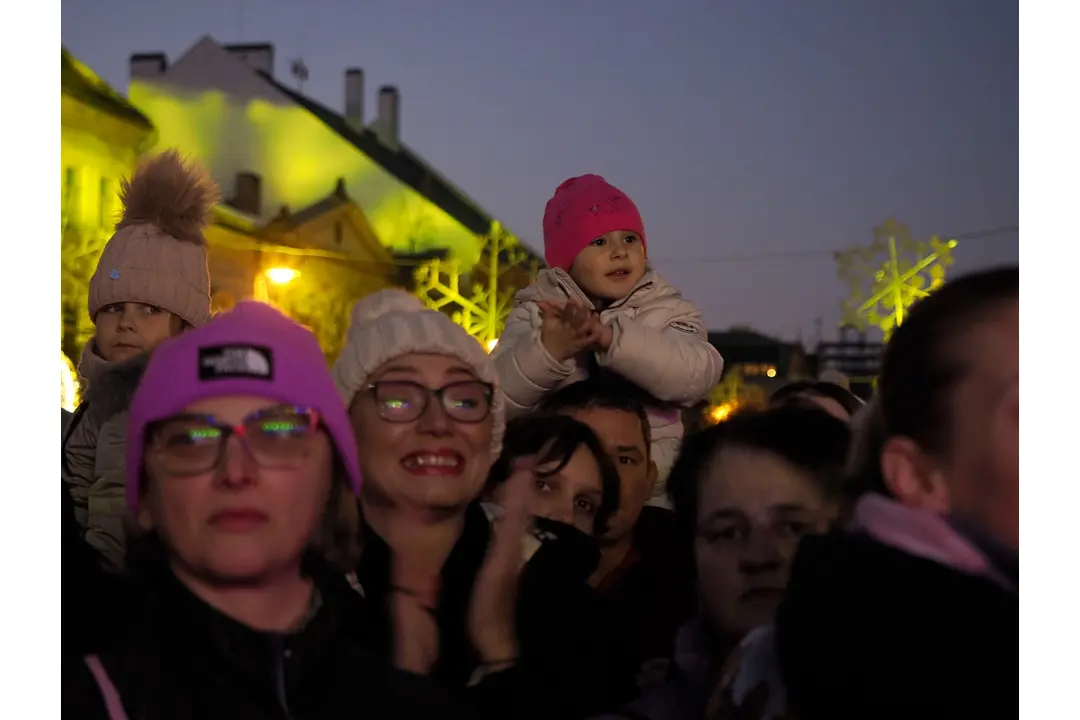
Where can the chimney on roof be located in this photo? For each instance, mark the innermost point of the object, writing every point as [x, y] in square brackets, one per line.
[145, 66]
[248, 193]
[388, 119]
[354, 97]
[257, 56]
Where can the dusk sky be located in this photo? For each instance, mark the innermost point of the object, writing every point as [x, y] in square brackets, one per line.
[754, 135]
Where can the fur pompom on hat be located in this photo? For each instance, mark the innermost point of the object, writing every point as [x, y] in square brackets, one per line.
[157, 255]
[392, 323]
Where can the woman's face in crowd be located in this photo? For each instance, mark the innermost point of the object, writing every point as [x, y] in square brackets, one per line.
[754, 509]
[431, 463]
[240, 520]
[572, 495]
[983, 468]
[125, 330]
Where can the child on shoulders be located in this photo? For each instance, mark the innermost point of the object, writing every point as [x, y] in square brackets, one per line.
[601, 305]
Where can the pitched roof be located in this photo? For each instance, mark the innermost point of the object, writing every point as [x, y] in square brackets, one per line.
[291, 221]
[83, 84]
[403, 163]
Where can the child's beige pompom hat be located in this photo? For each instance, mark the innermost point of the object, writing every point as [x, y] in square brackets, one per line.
[157, 255]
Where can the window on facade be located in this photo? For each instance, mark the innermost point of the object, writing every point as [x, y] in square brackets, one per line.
[69, 193]
[105, 199]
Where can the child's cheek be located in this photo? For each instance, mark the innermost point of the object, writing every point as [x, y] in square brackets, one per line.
[589, 264]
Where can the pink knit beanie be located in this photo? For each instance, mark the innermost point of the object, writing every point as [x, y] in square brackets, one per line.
[158, 254]
[581, 210]
[251, 350]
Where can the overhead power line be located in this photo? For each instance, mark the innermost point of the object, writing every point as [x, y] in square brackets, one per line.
[811, 252]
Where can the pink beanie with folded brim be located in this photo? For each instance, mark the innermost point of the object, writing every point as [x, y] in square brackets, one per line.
[252, 350]
[581, 210]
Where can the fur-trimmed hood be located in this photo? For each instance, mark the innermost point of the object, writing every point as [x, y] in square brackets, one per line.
[112, 392]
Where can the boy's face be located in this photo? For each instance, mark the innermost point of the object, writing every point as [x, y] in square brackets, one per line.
[623, 437]
[125, 330]
[610, 266]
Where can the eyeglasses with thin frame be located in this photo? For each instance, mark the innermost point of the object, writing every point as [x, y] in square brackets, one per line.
[277, 438]
[402, 401]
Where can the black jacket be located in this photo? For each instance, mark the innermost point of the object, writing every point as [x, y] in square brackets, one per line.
[560, 672]
[868, 631]
[645, 602]
[89, 596]
[176, 657]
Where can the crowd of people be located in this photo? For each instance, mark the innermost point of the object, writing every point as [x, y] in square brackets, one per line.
[428, 530]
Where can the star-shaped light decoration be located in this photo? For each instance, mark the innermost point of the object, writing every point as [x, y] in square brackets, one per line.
[887, 276]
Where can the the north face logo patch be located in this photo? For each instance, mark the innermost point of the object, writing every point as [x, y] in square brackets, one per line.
[221, 362]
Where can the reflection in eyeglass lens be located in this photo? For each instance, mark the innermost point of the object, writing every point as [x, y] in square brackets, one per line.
[465, 401]
[272, 437]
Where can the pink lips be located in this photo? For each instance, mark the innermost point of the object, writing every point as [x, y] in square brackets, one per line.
[238, 520]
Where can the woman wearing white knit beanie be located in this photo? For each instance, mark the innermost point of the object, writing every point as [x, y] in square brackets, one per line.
[428, 418]
[442, 579]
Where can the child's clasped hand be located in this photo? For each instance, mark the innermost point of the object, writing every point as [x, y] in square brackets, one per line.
[570, 328]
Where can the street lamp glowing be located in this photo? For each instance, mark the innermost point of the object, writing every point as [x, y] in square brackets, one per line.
[281, 275]
[771, 372]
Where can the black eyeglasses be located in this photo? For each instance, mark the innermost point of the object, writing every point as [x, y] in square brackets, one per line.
[402, 401]
[276, 438]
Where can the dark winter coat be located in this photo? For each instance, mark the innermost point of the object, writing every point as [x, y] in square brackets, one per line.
[177, 657]
[89, 595]
[93, 467]
[560, 672]
[644, 603]
[872, 627]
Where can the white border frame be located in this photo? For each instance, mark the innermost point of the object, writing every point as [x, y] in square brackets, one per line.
[30, 300]
[1049, 111]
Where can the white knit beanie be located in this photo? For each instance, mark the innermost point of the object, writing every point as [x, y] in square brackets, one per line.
[391, 323]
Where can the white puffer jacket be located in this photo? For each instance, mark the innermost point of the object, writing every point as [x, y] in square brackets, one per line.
[659, 343]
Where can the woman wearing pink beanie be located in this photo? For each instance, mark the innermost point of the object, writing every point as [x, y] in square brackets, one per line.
[601, 306]
[151, 283]
[242, 473]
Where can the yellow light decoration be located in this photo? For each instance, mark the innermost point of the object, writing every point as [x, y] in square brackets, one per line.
[720, 413]
[881, 290]
[69, 384]
[771, 372]
[486, 305]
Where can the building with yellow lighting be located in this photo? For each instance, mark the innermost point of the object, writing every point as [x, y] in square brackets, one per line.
[102, 137]
[280, 152]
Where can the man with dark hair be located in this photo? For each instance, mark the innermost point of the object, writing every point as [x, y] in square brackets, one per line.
[645, 579]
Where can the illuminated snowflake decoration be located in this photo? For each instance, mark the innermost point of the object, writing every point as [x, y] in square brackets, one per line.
[481, 307]
[890, 274]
